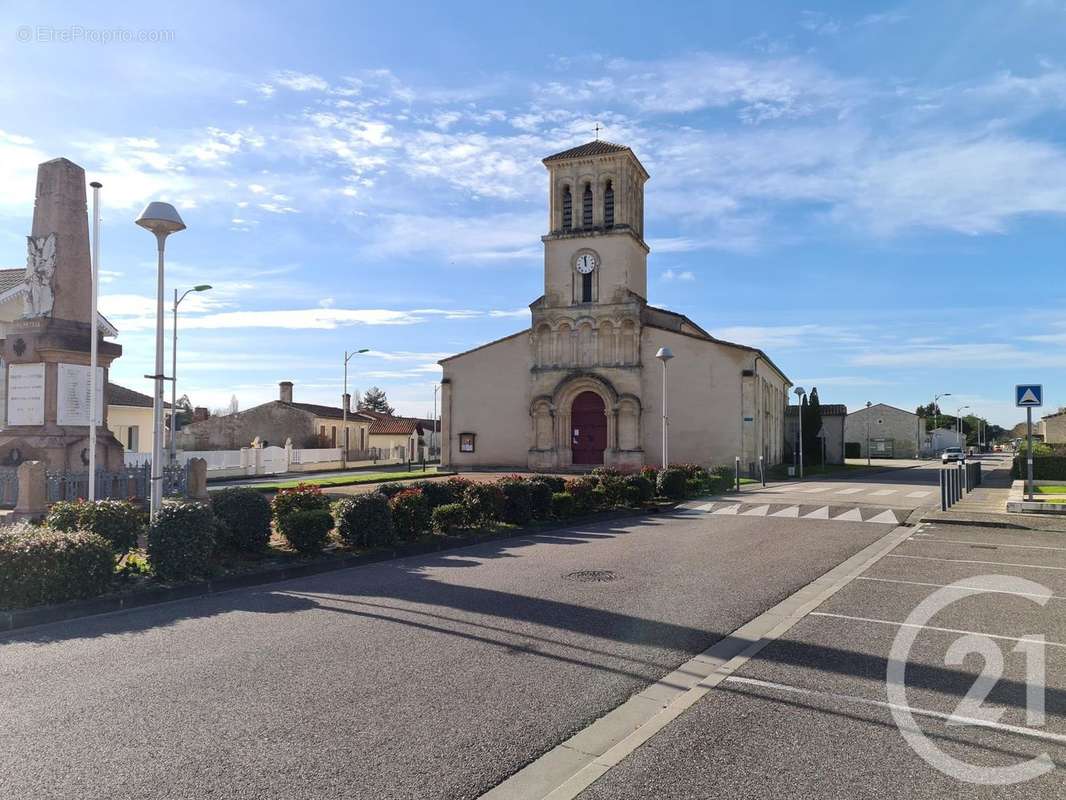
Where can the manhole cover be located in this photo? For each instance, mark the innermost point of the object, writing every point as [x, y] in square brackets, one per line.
[591, 576]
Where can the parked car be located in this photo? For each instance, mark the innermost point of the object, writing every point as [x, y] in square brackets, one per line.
[952, 454]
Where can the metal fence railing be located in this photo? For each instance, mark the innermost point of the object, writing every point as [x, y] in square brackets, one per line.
[129, 483]
[957, 481]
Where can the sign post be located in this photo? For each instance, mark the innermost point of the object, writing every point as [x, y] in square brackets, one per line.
[1029, 396]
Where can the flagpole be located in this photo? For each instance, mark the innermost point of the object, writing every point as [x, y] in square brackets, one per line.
[96, 186]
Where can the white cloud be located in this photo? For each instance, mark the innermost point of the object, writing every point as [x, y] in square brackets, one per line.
[683, 275]
[300, 81]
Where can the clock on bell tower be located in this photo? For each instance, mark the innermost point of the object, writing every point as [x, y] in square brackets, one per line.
[594, 251]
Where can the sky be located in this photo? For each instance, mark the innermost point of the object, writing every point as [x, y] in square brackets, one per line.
[873, 193]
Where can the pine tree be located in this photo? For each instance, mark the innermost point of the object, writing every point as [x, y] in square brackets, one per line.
[812, 426]
[374, 399]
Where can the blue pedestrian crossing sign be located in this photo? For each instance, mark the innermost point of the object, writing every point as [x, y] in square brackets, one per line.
[1028, 394]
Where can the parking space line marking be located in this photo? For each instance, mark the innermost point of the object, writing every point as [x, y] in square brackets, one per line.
[922, 712]
[853, 490]
[882, 492]
[998, 544]
[974, 561]
[791, 511]
[979, 589]
[930, 627]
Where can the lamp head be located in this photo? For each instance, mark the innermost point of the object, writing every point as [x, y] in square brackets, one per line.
[664, 354]
[799, 391]
[203, 287]
[161, 219]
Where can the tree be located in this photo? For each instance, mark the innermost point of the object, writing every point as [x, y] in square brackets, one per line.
[811, 411]
[183, 412]
[374, 399]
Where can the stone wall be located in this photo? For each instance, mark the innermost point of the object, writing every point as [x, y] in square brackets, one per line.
[905, 429]
[272, 423]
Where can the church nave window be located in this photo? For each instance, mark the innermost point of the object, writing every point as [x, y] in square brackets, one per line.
[568, 209]
[586, 288]
[586, 207]
[608, 205]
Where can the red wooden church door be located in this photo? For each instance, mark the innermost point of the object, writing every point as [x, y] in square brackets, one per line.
[588, 423]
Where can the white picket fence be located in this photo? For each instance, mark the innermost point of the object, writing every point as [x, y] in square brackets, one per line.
[253, 460]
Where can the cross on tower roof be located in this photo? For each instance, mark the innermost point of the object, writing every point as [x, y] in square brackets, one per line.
[597, 131]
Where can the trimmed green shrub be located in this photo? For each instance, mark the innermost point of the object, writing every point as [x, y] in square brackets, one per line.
[516, 506]
[118, 521]
[722, 479]
[633, 496]
[671, 483]
[484, 503]
[41, 565]
[245, 514]
[436, 493]
[306, 530]
[694, 487]
[581, 489]
[181, 540]
[645, 489]
[540, 499]
[556, 483]
[389, 489]
[613, 488]
[562, 505]
[364, 520]
[649, 472]
[446, 518]
[1045, 468]
[302, 497]
[410, 514]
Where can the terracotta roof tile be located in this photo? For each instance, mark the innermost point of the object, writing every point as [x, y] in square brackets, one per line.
[121, 396]
[394, 425]
[10, 278]
[597, 147]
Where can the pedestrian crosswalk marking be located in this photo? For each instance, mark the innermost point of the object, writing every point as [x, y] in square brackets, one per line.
[731, 508]
[882, 492]
[853, 490]
[818, 513]
[919, 494]
[758, 511]
[791, 511]
[817, 489]
[851, 515]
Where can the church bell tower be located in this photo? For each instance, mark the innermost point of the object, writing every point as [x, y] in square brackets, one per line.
[594, 251]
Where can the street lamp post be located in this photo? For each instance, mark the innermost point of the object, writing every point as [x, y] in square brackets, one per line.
[436, 423]
[868, 404]
[800, 392]
[94, 331]
[203, 287]
[664, 354]
[162, 219]
[958, 423]
[344, 403]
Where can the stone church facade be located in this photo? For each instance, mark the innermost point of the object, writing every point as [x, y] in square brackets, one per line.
[581, 386]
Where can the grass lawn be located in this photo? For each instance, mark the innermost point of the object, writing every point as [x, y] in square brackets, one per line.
[349, 480]
[1050, 489]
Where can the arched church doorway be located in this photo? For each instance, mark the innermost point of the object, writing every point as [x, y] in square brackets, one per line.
[588, 423]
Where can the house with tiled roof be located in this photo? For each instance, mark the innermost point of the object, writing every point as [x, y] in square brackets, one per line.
[399, 438]
[130, 417]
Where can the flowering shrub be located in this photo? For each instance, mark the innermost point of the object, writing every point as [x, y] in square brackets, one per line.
[446, 518]
[540, 498]
[639, 489]
[583, 491]
[306, 530]
[302, 497]
[672, 483]
[364, 520]
[484, 503]
[410, 513]
[516, 505]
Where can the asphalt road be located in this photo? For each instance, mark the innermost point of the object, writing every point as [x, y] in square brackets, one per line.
[428, 677]
[806, 716]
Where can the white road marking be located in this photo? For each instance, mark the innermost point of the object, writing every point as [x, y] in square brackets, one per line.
[997, 544]
[885, 516]
[853, 490]
[919, 494]
[922, 712]
[882, 492]
[704, 507]
[929, 627]
[851, 515]
[975, 561]
[979, 589]
[758, 511]
[732, 508]
[818, 513]
[791, 511]
[817, 489]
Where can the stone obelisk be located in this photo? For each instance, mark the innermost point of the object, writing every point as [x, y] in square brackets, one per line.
[46, 351]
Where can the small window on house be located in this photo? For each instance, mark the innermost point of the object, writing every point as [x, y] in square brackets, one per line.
[466, 442]
[608, 205]
[333, 436]
[568, 209]
[362, 438]
[586, 288]
[586, 207]
[131, 438]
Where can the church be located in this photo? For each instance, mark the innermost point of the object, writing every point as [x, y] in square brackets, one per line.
[582, 387]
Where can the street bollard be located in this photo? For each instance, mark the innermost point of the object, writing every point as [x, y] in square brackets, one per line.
[943, 492]
[762, 472]
[736, 470]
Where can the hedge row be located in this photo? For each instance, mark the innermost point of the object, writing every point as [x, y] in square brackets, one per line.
[1045, 468]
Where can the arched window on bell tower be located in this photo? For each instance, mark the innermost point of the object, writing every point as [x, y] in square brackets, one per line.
[608, 205]
[586, 207]
[568, 209]
[586, 288]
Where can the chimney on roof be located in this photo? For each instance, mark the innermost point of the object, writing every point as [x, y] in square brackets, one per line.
[346, 402]
[285, 391]
[200, 413]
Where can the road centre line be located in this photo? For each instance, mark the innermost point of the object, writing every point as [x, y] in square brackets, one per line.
[974, 561]
[1020, 730]
[930, 628]
[978, 589]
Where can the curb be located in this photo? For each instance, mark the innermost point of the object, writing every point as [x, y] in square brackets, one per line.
[42, 615]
